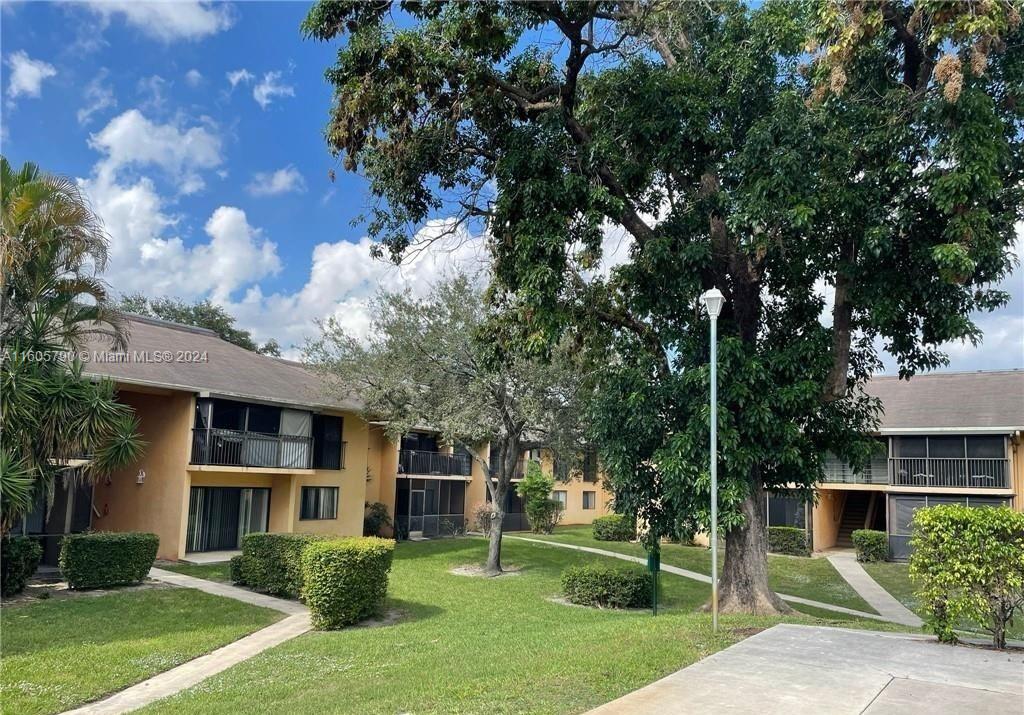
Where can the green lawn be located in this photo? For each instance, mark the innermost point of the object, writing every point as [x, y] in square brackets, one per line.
[895, 578]
[210, 572]
[815, 579]
[60, 653]
[474, 645]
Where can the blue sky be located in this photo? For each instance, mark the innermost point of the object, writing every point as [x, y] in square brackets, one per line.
[196, 131]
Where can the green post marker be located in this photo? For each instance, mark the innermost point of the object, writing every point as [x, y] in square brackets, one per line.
[654, 566]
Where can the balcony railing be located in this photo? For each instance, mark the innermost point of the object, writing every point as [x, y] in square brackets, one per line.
[972, 473]
[837, 472]
[412, 461]
[235, 448]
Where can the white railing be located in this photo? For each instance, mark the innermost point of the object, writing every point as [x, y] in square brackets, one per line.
[837, 472]
[972, 473]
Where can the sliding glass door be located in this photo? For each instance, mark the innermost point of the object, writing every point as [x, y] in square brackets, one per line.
[218, 517]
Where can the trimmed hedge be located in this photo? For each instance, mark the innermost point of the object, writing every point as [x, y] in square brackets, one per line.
[607, 587]
[346, 580]
[235, 570]
[871, 545]
[968, 566]
[788, 540]
[272, 562]
[19, 559]
[614, 527]
[101, 559]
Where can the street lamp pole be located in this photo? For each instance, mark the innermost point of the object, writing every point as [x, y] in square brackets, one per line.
[714, 299]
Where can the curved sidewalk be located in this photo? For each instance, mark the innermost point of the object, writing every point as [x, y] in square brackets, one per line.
[199, 669]
[869, 589]
[703, 578]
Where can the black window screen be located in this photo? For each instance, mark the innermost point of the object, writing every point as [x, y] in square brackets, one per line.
[264, 419]
[319, 503]
[946, 447]
[986, 447]
[327, 439]
[228, 415]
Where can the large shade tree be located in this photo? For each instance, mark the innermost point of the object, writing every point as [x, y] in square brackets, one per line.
[433, 362]
[52, 302]
[869, 152]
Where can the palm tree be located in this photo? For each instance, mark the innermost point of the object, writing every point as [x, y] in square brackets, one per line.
[52, 250]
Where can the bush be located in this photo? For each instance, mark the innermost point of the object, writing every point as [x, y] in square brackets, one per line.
[235, 570]
[871, 545]
[273, 562]
[614, 527]
[543, 512]
[375, 519]
[19, 559]
[788, 540]
[968, 563]
[607, 587]
[107, 558]
[482, 518]
[346, 580]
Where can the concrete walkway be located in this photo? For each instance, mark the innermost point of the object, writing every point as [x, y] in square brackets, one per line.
[791, 670]
[703, 578]
[196, 671]
[868, 589]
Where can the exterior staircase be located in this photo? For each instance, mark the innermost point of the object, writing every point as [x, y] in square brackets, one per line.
[855, 513]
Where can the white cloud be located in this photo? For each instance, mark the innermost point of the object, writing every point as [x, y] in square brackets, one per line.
[272, 183]
[27, 75]
[98, 96]
[194, 78]
[130, 139]
[168, 21]
[242, 75]
[152, 90]
[269, 87]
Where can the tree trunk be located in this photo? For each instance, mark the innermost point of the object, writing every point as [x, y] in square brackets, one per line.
[743, 585]
[493, 565]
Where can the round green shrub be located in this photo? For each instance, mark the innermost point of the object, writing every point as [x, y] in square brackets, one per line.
[614, 527]
[346, 580]
[607, 587]
[19, 559]
[235, 567]
[871, 545]
[101, 559]
[272, 562]
[788, 540]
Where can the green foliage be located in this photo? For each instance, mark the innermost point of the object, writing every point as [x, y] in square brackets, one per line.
[968, 565]
[788, 540]
[235, 570]
[535, 488]
[346, 580]
[607, 587]
[19, 558]
[773, 170]
[376, 519]
[871, 545]
[273, 562]
[102, 559]
[201, 314]
[53, 250]
[614, 527]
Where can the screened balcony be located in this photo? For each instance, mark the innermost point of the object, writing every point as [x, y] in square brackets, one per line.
[238, 448]
[967, 473]
[426, 463]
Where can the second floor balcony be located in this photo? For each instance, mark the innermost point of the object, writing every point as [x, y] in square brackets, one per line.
[422, 463]
[961, 472]
[239, 448]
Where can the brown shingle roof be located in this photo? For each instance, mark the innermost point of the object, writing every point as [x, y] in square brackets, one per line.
[228, 370]
[953, 400]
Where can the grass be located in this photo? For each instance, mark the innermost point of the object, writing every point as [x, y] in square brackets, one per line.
[210, 572]
[895, 578]
[60, 653]
[475, 645]
[811, 578]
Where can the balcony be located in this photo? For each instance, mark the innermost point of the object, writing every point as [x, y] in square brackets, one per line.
[236, 448]
[419, 463]
[966, 473]
[837, 472]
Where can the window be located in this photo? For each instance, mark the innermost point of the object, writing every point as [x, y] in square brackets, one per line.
[327, 451]
[319, 503]
[589, 500]
[590, 466]
[560, 496]
[785, 509]
[986, 447]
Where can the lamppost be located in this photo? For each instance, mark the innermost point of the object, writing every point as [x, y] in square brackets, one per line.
[713, 301]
